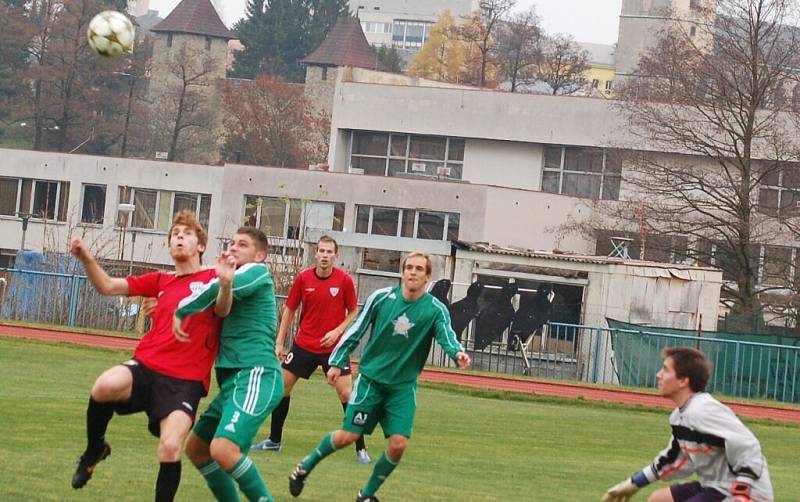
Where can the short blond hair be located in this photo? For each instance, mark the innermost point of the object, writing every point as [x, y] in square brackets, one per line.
[419, 254]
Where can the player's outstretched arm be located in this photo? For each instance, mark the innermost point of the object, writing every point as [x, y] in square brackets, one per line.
[226, 266]
[102, 282]
[287, 318]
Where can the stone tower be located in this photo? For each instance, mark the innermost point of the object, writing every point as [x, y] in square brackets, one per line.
[642, 21]
[190, 49]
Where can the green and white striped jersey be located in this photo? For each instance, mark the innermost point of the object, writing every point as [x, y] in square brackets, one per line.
[401, 336]
[248, 332]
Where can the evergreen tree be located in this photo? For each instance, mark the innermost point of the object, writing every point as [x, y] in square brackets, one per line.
[390, 59]
[277, 34]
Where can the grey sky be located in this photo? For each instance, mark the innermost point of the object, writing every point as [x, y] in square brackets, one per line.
[588, 20]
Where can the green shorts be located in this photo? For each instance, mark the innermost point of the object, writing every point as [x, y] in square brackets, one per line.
[246, 398]
[371, 403]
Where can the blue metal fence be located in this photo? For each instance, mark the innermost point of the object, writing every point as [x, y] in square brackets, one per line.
[559, 351]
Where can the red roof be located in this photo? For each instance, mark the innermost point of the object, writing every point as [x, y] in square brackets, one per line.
[197, 17]
[345, 45]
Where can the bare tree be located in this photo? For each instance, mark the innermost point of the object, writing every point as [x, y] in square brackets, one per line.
[479, 30]
[563, 65]
[518, 47]
[713, 90]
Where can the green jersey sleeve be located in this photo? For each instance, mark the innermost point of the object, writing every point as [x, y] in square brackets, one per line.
[443, 331]
[246, 280]
[349, 341]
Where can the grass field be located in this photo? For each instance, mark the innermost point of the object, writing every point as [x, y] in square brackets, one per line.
[465, 447]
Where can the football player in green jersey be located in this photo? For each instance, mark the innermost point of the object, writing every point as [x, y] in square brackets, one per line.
[403, 322]
[248, 372]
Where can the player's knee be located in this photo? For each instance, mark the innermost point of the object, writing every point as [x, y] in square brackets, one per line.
[197, 450]
[397, 446]
[226, 453]
[169, 449]
[342, 438]
[104, 389]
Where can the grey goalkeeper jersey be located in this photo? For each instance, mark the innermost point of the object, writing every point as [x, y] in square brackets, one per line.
[709, 440]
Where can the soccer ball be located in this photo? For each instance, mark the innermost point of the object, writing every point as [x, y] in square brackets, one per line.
[110, 34]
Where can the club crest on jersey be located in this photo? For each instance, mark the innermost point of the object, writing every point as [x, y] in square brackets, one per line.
[360, 418]
[196, 286]
[401, 325]
[334, 291]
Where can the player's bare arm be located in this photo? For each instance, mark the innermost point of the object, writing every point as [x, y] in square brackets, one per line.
[286, 322]
[226, 266]
[102, 282]
[331, 336]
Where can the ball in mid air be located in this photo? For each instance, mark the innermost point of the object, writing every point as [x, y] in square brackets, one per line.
[110, 34]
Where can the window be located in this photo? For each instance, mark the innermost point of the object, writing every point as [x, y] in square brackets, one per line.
[584, 172]
[410, 34]
[595, 83]
[324, 73]
[41, 198]
[609, 84]
[208, 43]
[375, 27]
[396, 222]
[287, 218]
[776, 266]
[94, 204]
[169, 39]
[155, 209]
[384, 154]
[779, 193]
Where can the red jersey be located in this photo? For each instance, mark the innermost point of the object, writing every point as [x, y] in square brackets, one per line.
[325, 305]
[159, 350]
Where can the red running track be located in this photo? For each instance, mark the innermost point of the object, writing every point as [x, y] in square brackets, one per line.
[501, 383]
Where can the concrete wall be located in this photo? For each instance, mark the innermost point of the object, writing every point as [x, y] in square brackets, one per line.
[503, 163]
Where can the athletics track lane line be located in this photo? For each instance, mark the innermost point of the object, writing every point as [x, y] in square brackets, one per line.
[465, 379]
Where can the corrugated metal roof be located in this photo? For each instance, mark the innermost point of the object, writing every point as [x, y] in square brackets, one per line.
[674, 269]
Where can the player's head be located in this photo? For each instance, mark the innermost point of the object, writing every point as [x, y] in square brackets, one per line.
[416, 271]
[326, 252]
[248, 245]
[186, 238]
[683, 368]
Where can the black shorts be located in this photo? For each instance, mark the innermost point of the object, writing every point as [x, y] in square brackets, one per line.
[159, 395]
[694, 492]
[303, 363]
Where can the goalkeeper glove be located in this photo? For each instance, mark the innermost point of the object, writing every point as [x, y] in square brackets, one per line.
[621, 492]
[740, 492]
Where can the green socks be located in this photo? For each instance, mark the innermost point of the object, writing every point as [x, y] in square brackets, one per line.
[246, 474]
[383, 468]
[323, 449]
[219, 482]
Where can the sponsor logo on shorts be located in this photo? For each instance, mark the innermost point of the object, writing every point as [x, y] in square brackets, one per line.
[360, 418]
[334, 291]
[188, 406]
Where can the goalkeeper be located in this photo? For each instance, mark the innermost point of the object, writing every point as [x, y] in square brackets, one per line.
[708, 439]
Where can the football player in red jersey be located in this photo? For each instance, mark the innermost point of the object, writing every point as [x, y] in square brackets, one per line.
[165, 378]
[328, 298]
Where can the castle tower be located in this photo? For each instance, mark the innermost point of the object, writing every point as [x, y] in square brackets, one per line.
[642, 21]
[190, 50]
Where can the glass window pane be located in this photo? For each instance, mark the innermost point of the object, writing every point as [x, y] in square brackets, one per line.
[408, 223]
[791, 177]
[44, 199]
[396, 167]
[611, 187]
[430, 226]
[550, 181]
[362, 219]
[94, 204]
[456, 171]
[427, 147]
[25, 196]
[273, 216]
[789, 201]
[768, 200]
[205, 209]
[398, 147]
[777, 265]
[582, 185]
[63, 198]
[371, 166]
[453, 222]
[144, 216]
[250, 210]
[426, 167]
[398, 32]
[385, 221]
[338, 216]
[455, 150]
[552, 157]
[295, 219]
[184, 201]
[8, 196]
[369, 143]
[583, 159]
[613, 161]
[163, 218]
